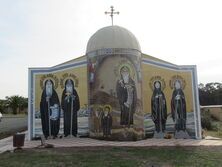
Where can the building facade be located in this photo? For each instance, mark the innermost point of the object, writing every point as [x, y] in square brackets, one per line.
[114, 92]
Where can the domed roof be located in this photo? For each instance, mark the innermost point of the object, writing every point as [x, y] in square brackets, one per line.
[112, 37]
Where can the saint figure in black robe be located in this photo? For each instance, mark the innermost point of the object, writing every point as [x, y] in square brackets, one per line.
[50, 110]
[178, 107]
[70, 106]
[159, 108]
[126, 93]
[106, 122]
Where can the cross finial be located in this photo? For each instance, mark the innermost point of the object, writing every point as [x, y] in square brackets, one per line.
[112, 13]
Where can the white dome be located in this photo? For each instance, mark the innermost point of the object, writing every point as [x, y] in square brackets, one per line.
[112, 37]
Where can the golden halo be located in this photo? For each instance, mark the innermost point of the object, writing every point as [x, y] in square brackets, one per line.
[68, 76]
[127, 64]
[51, 77]
[157, 78]
[107, 106]
[177, 78]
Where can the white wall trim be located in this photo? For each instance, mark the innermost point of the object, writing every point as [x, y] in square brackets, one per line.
[32, 72]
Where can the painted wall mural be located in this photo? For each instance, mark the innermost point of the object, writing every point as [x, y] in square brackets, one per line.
[107, 121]
[127, 96]
[70, 107]
[114, 97]
[50, 110]
[178, 106]
[115, 81]
[169, 113]
[159, 107]
[61, 109]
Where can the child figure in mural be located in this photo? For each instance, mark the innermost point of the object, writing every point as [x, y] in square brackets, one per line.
[106, 121]
[159, 110]
[70, 106]
[126, 93]
[97, 119]
[178, 109]
[50, 110]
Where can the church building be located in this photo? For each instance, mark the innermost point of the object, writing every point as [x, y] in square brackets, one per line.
[114, 92]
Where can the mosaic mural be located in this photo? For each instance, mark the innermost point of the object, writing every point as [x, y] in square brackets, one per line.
[115, 81]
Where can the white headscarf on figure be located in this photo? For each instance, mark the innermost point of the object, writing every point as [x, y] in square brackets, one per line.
[177, 85]
[157, 85]
[48, 87]
[125, 73]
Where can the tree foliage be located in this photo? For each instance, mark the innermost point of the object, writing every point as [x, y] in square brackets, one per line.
[210, 93]
[2, 106]
[16, 103]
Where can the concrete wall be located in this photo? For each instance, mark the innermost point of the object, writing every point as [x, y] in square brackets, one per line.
[215, 111]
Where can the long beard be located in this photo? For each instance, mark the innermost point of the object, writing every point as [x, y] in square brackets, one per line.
[49, 92]
[126, 79]
[69, 90]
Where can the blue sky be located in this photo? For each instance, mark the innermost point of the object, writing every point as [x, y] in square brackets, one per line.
[42, 33]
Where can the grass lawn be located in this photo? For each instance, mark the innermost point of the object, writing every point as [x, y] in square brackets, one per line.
[116, 157]
[214, 133]
[15, 115]
[216, 130]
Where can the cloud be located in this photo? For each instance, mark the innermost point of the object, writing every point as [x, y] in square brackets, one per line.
[45, 33]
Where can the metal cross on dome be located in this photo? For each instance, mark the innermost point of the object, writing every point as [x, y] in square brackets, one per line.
[112, 13]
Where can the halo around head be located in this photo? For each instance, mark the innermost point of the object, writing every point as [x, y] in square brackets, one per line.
[107, 106]
[124, 65]
[177, 78]
[46, 77]
[67, 76]
[157, 79]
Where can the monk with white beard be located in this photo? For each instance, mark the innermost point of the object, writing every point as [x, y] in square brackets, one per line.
[50, 110]
[126, 93]
[70, 105]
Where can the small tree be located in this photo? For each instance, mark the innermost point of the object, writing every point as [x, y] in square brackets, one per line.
[13, 102]
[206, 121]
[23, 103]
[2, 106]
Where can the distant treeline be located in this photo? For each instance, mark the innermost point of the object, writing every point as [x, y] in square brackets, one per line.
[15, 104]
[210, 93]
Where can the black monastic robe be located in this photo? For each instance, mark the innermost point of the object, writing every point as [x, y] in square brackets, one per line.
[106, 122]
[178, 109]
[126, 117]
[159, 110]
[70, 103]
[45, 111]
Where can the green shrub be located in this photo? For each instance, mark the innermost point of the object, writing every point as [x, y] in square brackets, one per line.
[206, 120]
